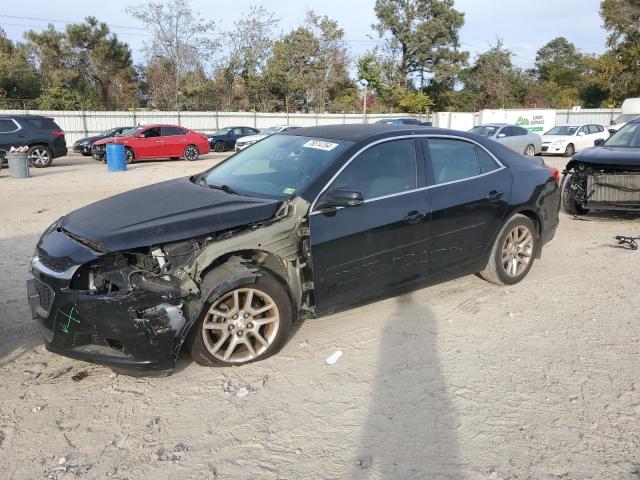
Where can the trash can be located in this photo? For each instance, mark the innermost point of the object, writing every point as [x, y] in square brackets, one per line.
[116, 159]
[18, 165]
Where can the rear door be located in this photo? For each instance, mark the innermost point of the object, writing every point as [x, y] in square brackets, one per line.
[469, 194]
[366, 251]
[10, 134]
[175, 141]
[150, 144]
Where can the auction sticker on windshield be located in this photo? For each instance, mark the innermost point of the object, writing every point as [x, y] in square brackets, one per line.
[320, 145]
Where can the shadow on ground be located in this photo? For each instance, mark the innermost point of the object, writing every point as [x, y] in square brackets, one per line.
[404, 437]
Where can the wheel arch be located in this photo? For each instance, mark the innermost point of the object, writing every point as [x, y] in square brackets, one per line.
[537, 222]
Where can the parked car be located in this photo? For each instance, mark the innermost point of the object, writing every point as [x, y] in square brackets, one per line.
[516, 138]
[225, 138]
[630, 111]
[304, 222]
[244, 142]
[150, 142]
[42, 135]
[607, 176]
[84, 145]
[566, 140]
[403, 121]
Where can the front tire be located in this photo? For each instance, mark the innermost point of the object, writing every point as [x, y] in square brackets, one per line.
[569, 151]
[129, 155]
[39, 156]
[512, 253]
[569, 202]
[219, 147]
[191, 153]
[246, 323]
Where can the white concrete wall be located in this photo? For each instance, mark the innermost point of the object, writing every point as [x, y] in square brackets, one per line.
[81, 124]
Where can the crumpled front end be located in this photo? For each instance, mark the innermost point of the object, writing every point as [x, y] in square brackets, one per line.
[103, 307]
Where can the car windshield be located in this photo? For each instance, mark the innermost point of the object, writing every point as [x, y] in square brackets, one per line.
[626, 117]
[277, 167]
[627, 136]
[108, 133]
[131, 131]
[563, 130]
[222, 131]
[485, 130]
[271, 130]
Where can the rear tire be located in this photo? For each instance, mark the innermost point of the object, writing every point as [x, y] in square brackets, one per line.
[213, 335]
[191, 153]
[40, 156]
[569, 202]
[530, 151]
[513, 251]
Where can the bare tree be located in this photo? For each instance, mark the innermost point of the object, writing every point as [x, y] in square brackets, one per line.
[180, 37]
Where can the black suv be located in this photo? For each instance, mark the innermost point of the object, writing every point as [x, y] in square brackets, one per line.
[42, 135]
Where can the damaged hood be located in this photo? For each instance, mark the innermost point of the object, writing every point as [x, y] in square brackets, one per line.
[614, 156]
[165, 212]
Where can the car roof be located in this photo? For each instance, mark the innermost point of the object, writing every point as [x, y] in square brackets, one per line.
[23, 115]
[360, 131]
[495, 124]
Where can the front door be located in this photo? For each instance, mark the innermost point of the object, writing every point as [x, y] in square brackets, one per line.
[469, 196]
[9, 134]
[362, 252]
[150, 144]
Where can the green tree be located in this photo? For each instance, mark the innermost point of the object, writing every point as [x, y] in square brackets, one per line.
[622, 67]
[414, 102]
[18, 77]
[426, 32]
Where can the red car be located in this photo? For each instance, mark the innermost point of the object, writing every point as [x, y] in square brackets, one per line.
[156, 141]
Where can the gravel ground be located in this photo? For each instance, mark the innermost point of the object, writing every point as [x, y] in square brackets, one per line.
[460, 380]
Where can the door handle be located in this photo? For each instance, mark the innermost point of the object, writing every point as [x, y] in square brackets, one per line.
[414, 217]
[494, 196]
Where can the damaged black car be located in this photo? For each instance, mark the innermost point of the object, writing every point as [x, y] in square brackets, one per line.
[300, 224]
[605, 177]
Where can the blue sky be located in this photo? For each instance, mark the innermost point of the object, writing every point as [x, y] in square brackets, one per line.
[524, 25]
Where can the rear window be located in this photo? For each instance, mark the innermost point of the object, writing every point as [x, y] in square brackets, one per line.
[43, 123]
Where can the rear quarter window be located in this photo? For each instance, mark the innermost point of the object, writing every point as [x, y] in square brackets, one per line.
[43, 123]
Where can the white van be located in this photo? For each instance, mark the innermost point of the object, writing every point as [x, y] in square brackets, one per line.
[630, 111]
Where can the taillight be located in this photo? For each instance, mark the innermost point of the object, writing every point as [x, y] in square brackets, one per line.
[555, 172]
[57, 133]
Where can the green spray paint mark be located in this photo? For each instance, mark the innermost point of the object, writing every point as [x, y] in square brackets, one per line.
[70, 318]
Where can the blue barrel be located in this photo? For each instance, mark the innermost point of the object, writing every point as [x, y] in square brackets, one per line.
[116, 159]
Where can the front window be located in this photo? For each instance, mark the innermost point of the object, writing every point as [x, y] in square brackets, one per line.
[132, 131]
[384, 169]
[278, 167]
[272, 130]
[563, 130]
[484, 130]
[627, 136]
[222, 131]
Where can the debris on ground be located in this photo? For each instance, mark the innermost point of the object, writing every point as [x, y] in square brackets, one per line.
[630, 243]
[78, 377]
[333, 358]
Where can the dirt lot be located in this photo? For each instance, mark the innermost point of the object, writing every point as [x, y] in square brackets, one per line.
[461, 380]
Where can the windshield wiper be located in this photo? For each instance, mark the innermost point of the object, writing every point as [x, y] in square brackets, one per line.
[225, 189]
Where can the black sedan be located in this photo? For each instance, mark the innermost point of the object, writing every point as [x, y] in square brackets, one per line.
[302, 223]
[607, 176]
[225, 138]
[84, 145]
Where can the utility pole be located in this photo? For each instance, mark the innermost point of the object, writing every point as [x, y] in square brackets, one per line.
[364, 83]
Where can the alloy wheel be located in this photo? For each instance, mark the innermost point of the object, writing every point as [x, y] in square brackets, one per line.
[530, 151]
[39, 157]
[517, 251]
[191, 153]
[241, 325]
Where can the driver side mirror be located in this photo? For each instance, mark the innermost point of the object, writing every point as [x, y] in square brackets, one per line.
[340, 197]
[598, 142]
[581, 134]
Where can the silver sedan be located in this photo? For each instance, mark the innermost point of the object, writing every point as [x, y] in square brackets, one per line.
[516, 138]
